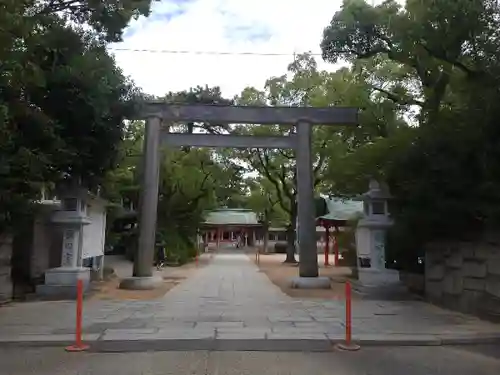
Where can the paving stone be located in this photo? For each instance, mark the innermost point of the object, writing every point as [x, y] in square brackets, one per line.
[299, 331]
[268, 324]
[172, 325]
[47, 338]
[313, 324]
[242, 334]
[329, 320]
[219, 324]
[129, 334]
[185, 334]
[26, 329]
[111, 319]
[292, 319]
[229, 298]
[290, 336]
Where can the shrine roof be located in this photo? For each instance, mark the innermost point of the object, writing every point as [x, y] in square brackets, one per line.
[342, 209]
[231, 216]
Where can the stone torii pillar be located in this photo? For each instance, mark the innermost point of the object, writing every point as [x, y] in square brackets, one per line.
[143, 265]
[308, 265]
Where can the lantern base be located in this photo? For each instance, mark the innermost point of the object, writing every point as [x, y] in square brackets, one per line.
[319, 282]
[61, 282]
[141, 283]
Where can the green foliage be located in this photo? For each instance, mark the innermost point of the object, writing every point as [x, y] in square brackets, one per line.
[178, 249]
[428, 39]
[262, 200]
[230, 190]
[441, 56]
[306, 85]
[192, 180]
[447, 181]
[107, 19]
[62, 106]
[121, 184]
[86, 98]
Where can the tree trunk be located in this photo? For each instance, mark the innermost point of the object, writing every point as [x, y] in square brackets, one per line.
[265, 237]
[290, 238]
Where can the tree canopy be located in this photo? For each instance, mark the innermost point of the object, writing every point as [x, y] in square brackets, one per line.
[443, 171]
[63, 100]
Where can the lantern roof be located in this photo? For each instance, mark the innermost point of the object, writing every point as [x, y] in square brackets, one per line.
[377, 191]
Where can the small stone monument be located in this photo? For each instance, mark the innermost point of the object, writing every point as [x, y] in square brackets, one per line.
[72, 217]
[370, 239]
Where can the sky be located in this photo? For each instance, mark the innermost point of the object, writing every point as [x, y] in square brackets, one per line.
[229, 26]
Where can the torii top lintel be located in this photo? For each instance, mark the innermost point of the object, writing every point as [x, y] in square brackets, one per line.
[248, 114]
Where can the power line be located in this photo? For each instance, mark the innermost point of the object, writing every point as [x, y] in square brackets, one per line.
[213, 53]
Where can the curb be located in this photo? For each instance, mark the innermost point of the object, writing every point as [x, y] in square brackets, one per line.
[278, 345]
[470, 339]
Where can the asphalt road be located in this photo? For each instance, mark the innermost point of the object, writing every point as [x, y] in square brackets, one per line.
[466, 360]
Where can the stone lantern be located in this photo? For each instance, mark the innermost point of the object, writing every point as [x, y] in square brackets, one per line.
[371, 238]
[71, 219]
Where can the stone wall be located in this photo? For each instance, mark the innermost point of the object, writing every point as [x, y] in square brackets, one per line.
[465, 276]
[5, 262]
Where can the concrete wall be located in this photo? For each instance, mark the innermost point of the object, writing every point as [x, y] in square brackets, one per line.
[42, 239]
[93, 234]
[465, 276]
[5, 264]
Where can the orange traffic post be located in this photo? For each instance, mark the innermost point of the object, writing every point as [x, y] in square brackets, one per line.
[348, 345]
[78, 346]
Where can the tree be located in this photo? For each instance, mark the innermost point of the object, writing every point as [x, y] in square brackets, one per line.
[307, 86]
[230, 189]
[107, 19]
[63, 113]
[443, 174]
[185, 193]
[430, 40]
[261, 199]
[121, 184]
[200, 95]
[192, 180]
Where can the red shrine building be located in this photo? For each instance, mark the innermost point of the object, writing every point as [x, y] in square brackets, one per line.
[231, 225]
[241, 227]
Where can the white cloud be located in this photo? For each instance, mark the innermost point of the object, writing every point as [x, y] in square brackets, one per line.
[234, 26]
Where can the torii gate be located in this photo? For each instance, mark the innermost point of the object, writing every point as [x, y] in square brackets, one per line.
[302, 117]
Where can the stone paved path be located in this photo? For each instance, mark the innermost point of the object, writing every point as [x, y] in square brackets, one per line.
[231, 300]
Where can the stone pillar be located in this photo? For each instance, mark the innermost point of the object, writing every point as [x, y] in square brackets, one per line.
[265, 238]
[336, 245]
[143, 261]
[308, 266]
[327, 244]
[101, 267]
[72, 241]
[6, 286]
